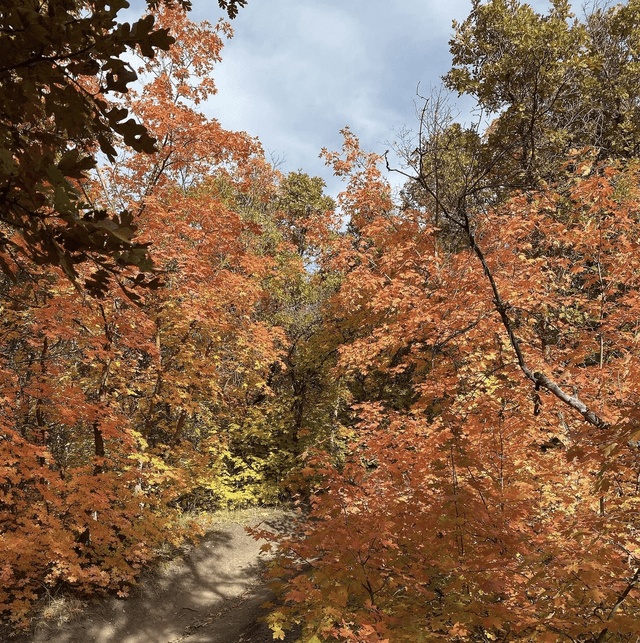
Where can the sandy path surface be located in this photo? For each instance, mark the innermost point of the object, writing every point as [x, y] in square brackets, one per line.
[211, 595]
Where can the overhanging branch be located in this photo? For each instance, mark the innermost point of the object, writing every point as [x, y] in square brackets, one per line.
[539, 379]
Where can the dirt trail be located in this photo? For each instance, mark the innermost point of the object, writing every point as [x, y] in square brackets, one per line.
[211, 595]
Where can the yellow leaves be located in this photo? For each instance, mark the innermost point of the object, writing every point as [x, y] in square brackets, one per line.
[584, 169]
[276, 620]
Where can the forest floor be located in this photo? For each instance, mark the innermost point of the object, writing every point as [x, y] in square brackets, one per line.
[211, 593]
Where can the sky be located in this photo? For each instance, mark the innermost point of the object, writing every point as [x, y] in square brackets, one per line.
[298, 71]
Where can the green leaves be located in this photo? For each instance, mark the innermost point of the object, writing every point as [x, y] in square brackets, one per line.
[555, 83]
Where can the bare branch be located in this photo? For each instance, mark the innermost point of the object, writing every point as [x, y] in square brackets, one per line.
[632, 584]
[539, 379]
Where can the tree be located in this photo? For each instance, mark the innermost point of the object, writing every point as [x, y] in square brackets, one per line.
[309, 397]
[300, 203]
[554, 82]
[484, 509]
[492, 490]
[115, 416]
[61, 60]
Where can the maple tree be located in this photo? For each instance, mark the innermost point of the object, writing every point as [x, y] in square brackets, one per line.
[115, 416]
[63, 59]
[491, 493]
[474, 506]
[226, 204]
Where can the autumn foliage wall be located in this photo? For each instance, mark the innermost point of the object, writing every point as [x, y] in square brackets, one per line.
[474, 505]
[450, 379]
[122, 410]
[488, 327]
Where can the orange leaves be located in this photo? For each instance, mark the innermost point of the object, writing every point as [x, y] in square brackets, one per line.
[113, 415]
[58, 531]
[461, 509]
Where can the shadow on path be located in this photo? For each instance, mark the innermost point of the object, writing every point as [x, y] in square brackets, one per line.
[213, 593]
[242, 624]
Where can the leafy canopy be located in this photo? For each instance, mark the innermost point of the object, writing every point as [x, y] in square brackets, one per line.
[61, 60]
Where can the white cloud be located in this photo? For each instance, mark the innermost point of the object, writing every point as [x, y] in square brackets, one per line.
[297, 71]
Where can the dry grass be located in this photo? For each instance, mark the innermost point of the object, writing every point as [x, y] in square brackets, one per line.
[62, 609]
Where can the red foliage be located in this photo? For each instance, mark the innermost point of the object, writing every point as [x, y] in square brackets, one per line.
[475, 505]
